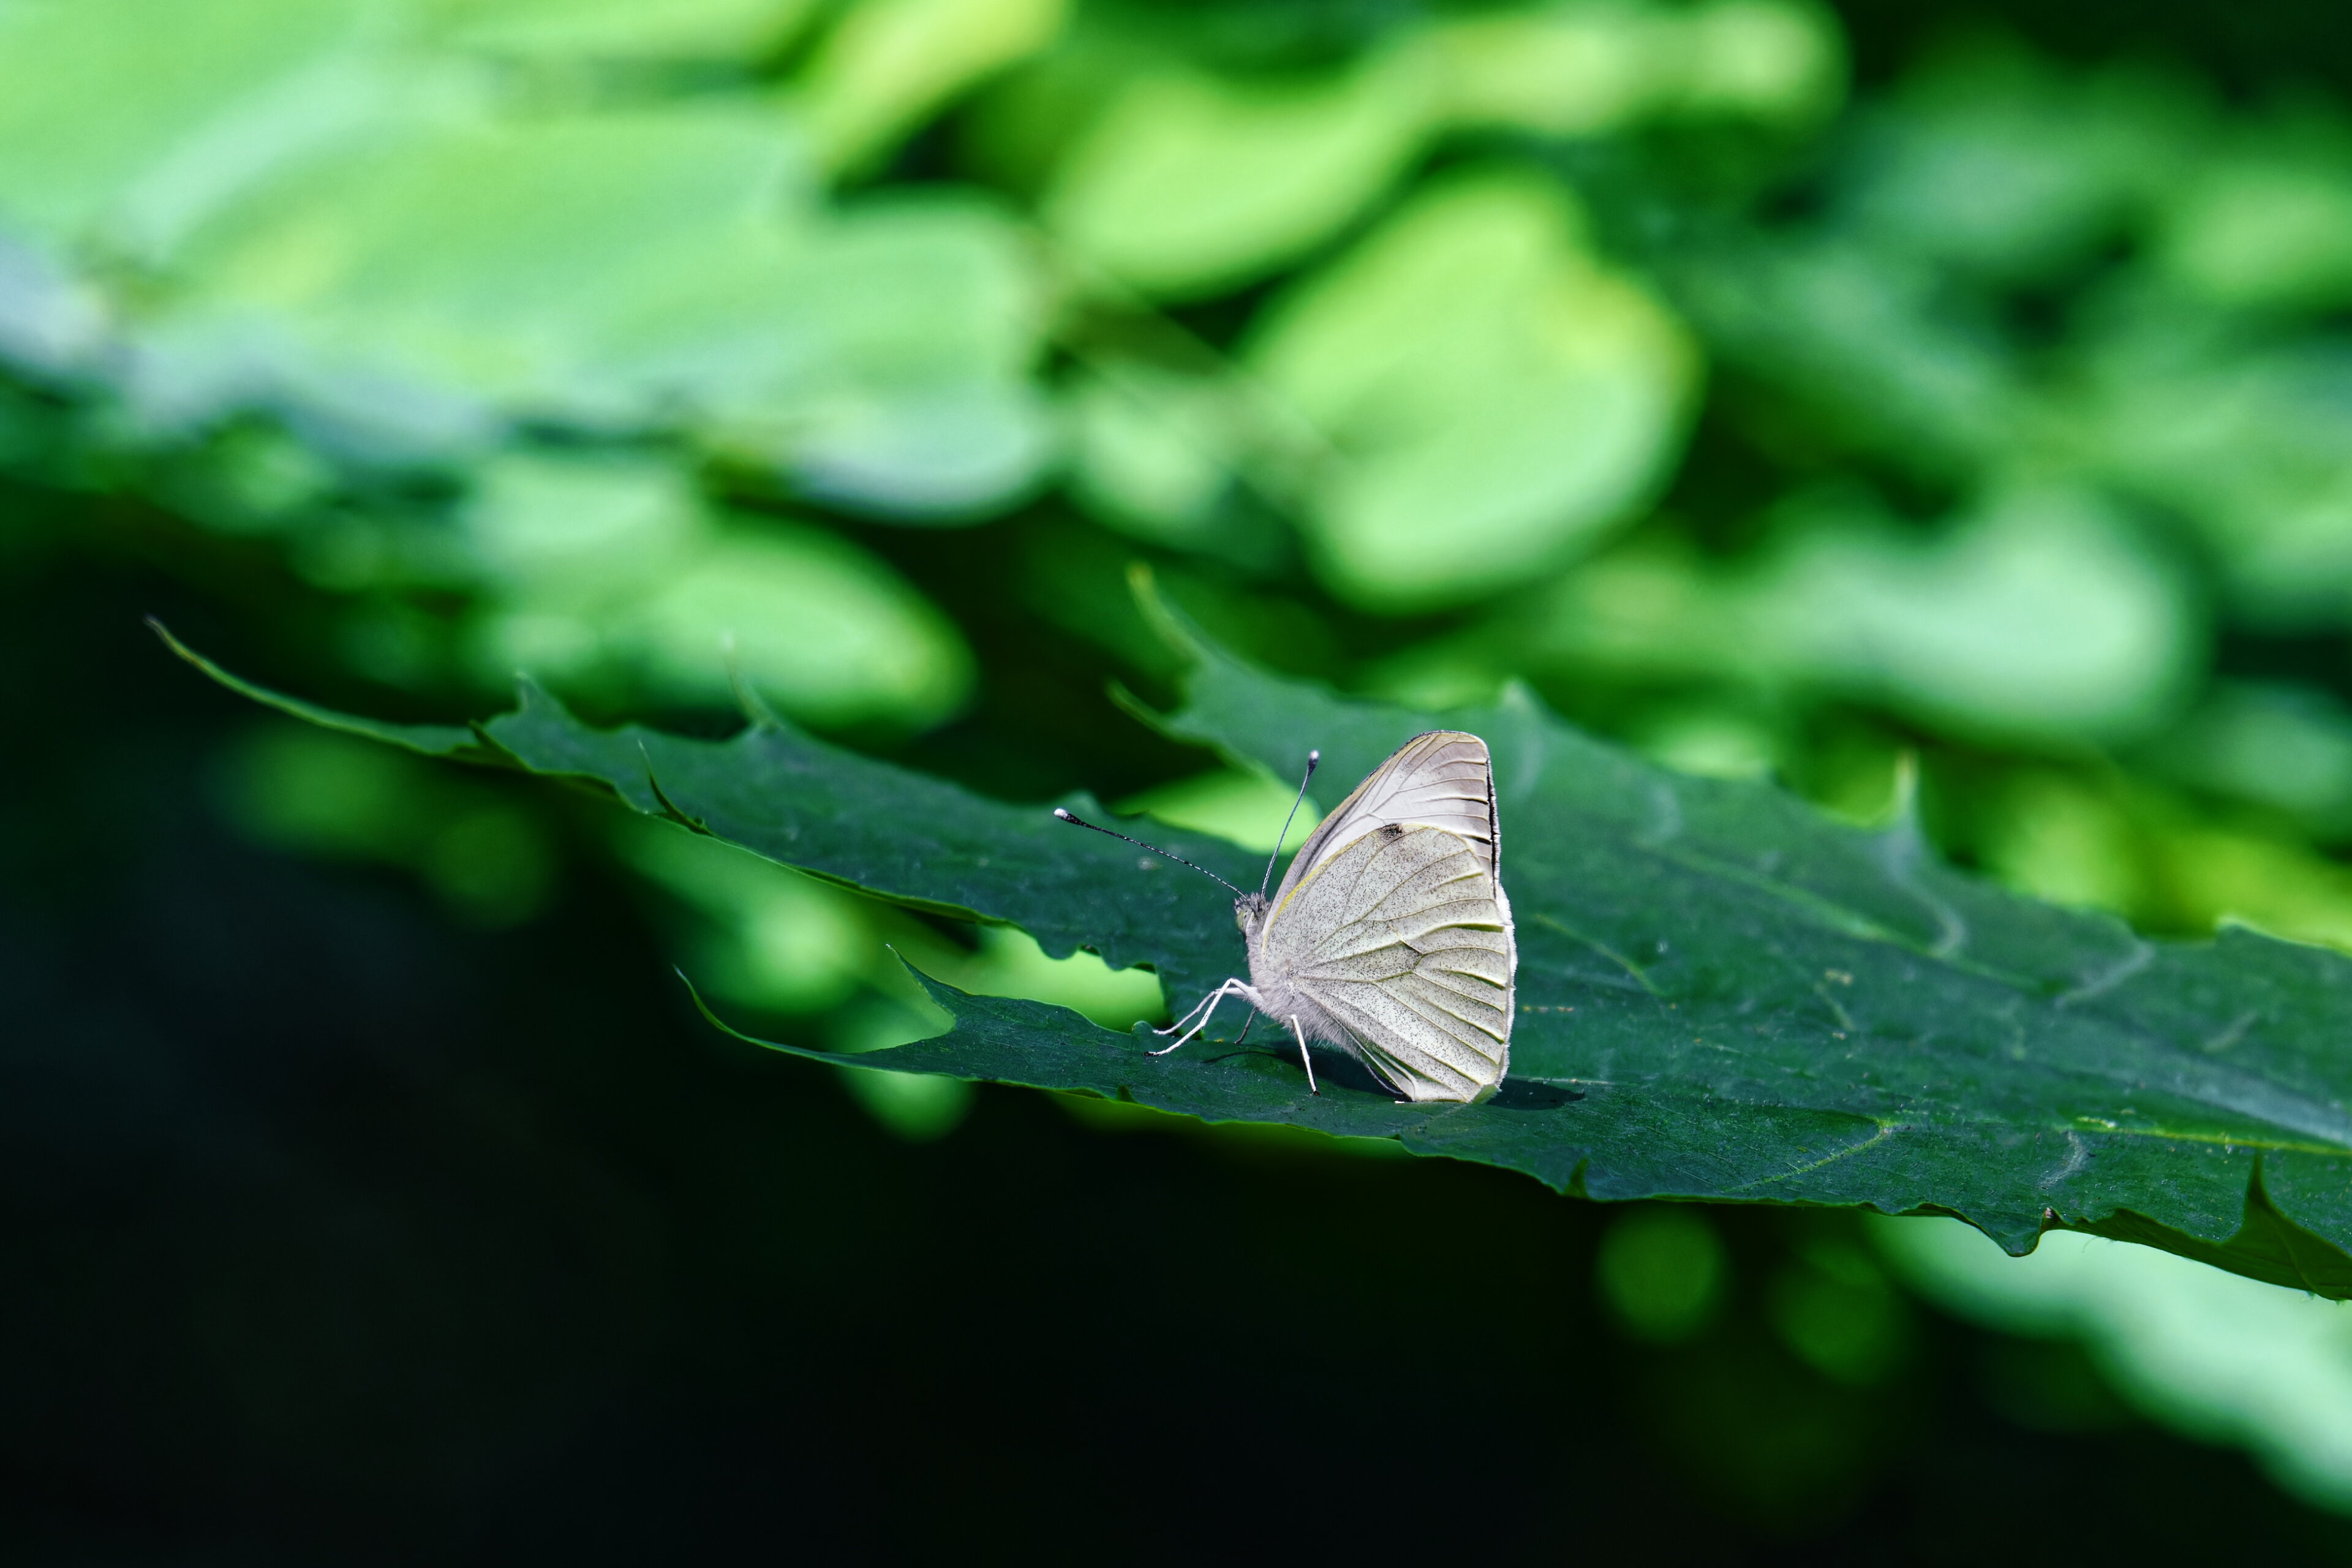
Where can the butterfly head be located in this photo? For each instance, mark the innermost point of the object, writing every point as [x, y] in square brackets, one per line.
[1249, 913]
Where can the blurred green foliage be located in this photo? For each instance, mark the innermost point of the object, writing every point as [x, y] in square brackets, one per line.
[1989, 417]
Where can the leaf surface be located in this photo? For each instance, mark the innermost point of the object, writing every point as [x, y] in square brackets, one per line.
[1722, 994]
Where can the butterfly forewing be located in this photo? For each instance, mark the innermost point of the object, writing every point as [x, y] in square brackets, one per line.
[1443, 779]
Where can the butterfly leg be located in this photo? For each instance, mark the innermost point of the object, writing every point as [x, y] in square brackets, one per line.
[1209, 1001]
[1302, 1055]
[1208, 1010]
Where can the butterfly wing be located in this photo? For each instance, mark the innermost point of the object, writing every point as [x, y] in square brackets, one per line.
[1441, 779]
[1393, 921]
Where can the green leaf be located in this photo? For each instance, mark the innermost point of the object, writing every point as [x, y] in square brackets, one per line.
[920, 841]
[1722, 994]
[2270, 227]
[809, 620]
[122, 113]
[431, 739]
[2253, 447]
[1473, 360]
[440, 259]
[428, 281]
[1153, 452]
[1581, 70]
[889, 64]
[1869, 349]
[1189, 185]
[613, 30]
[2063, 161]
[615, 573]
[2036, 615]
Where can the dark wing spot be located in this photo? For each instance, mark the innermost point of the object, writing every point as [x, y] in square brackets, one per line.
[1390, 833]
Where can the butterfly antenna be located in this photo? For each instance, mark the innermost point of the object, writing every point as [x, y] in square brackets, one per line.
[1267, 880]
[1139, 844]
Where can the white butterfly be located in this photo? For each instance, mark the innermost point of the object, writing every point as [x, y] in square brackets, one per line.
[1390, 936]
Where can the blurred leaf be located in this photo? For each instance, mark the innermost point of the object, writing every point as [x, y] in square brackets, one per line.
[443, 262]
[327, 794]
[1476, 364]
[1203, 459]
[822, 628]
[1761, 59]
[2099, 838]
[249, 479]
[2254, 444]
[783, 943]
[123, 119]
[1248, 808]
[1579, 69]
[1877, 355]
[917, 1106]
[52, 325]
[885, 364]
[2062, 838]
[1562, 71]
[1664, 1272]
[578, 527]
[1721, 994]
[1153, 452]
[607, 570]
[2283, 746]
[1994, 161]
[601, 30]
[425, 294]
[887, 63]
[804, 619]
[1833, 1307]
[2040, 616]
[316, 791]
[2265, 881]
[2268, 224]
[1188, 185]
[1712, 742]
